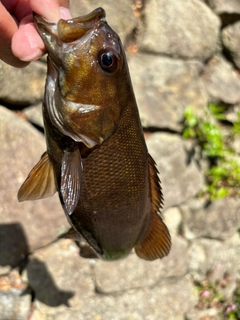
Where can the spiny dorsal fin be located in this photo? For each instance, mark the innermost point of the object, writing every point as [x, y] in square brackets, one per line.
[71, 179]
[156, 190]
[157, 242]
[40, 182]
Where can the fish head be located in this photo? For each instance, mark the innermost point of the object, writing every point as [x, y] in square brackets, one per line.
[87, 69]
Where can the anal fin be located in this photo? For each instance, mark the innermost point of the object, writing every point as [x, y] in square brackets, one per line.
[71, 179]
[40, 182]
[157, 242]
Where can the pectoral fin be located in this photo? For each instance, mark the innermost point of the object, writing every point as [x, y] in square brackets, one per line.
[71, 234]
[71, 179]
[40, 182]
[157, 242]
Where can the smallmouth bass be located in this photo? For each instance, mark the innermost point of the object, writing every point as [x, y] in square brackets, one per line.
[96, 157]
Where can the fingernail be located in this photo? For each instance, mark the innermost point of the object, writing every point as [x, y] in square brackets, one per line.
[34, 56]
[65, 13]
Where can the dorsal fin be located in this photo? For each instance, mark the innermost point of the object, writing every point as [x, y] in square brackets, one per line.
[40, 182]
[156, 190]
[157, 242]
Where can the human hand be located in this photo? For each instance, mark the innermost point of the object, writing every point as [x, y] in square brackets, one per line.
[20, 42]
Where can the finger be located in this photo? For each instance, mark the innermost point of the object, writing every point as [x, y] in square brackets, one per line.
[18, 8]
[27, 44]
[8, 27]
[52, 10]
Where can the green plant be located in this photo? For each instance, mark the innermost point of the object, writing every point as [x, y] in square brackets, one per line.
[223, 173]
[232, 311]
[211, 295]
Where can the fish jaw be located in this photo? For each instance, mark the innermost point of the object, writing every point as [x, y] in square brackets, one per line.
[65, 31]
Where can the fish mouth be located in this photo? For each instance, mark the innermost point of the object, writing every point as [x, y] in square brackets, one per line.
[68, 30]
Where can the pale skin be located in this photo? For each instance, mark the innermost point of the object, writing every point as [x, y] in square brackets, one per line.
[20, 42]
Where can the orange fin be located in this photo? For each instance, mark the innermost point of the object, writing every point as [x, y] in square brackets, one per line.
[40, 182]
[157, 242]
[71, 179]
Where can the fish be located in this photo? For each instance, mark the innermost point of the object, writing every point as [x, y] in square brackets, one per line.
[96, 159]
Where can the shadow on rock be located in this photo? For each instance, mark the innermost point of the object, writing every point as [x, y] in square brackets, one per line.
[44, 287]
[13, 245]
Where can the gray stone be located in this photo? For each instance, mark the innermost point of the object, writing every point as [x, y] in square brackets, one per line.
[210, 313]
[169, 300]
[58, 276]
[223, 6]
[232, 113]
[22, 86]
[67, 286]
[180, 179]
[120, 16]
[14, 303]
[187, 29]
[164, 87]
[28, 225]
[231, 41]
[219, 257]
[173, 219]
[222, 81]
[146, 274]
[219, 220]
[34, 114]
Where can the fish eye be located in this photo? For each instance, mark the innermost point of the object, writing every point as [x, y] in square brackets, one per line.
[108, 61]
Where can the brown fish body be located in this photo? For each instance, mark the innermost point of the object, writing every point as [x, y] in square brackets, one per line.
[97, 157]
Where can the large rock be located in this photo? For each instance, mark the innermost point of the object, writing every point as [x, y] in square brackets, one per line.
[144, 294]
[228, 11]
[34, 114]
[222, 81]
[223, 6]
[231, 41]
[146, 274]
[219, 257]
[28, 225]
[22, 86]
[180, 179]
[219, 220]
[15, 300]
[119, 15]
[184, 28]
[164, 87]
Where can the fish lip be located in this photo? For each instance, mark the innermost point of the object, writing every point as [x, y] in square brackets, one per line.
[95, 15]
[72, 29]
[43, 26]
